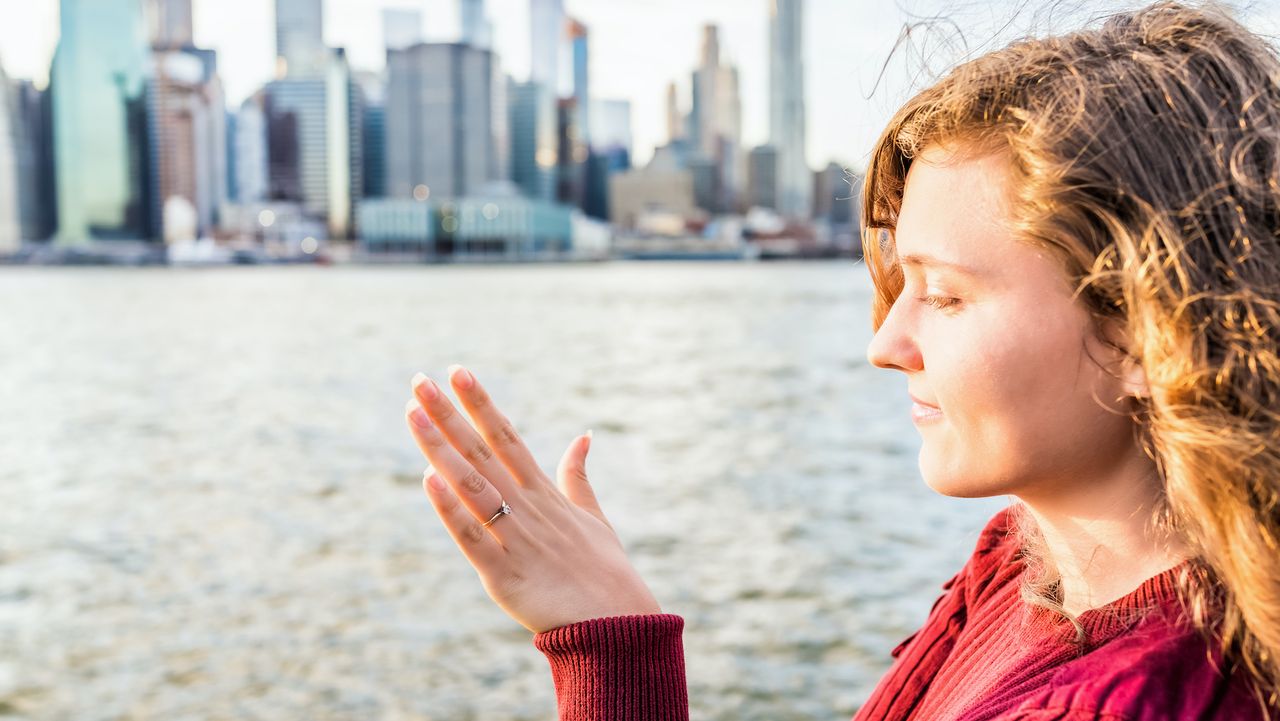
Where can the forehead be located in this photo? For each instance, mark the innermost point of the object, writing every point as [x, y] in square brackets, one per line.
[955, 208]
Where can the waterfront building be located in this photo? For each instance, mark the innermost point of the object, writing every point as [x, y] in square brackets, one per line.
[401, 28]
[446, 118]
[250, 150]
[187, 132]
[10, 138]
[37, 189]
[716, 122]
[787, 131]
[500, 226]
[300, 49]
[375, 149]
[833, 197]
[661, 190]
[314, 144]
[675, 119]
[534, 156]
[610, 152]
[762, 177]
[99, 113]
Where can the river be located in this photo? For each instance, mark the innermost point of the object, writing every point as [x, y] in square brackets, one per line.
[210, 507]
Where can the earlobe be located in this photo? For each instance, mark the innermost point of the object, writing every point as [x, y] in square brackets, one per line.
[1133, 378]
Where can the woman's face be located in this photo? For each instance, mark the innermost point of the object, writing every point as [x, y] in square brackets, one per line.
[996, 352]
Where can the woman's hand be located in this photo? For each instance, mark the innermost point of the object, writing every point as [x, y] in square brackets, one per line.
[554, 559]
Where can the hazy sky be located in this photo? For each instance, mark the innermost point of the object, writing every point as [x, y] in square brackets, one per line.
[638, 46]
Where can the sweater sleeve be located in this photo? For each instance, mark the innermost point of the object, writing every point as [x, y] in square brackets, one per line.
[622, 668]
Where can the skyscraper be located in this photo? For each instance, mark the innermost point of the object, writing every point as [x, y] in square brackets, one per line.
[787, 106]
[187, 122]
[251, 150]
[762, 177]
[546, 25]
[476, 30]
[37, 192]
[717, 121]
[99, 121]
[300, 50]
[533, 139]
[675, 120]
[171, 25]
[314, 129]
[10, 138]
[445, 120]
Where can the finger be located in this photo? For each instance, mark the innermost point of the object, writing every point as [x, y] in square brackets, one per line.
[497, 431]
[480, 548]
[472, 488]
[463, 436]
[572, 477]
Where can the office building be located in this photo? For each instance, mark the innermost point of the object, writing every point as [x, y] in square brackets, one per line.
[314, 151]
[534, 157]
[187, 131]
[446, 118]
[787, 120]
[99, 110]
[37, 190]
[10, 144]
[762, 177]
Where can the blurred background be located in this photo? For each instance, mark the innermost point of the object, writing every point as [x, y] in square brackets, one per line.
[231, 232]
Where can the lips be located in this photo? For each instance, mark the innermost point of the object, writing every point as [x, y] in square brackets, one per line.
[922, 412]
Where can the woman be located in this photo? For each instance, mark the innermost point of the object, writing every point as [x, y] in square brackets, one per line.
[1073, 243]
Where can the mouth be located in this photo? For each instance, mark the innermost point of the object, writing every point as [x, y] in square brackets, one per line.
[922, 412]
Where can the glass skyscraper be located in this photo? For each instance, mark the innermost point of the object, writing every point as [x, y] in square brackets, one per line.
[99, 109]
[10, 137]
[786, 106]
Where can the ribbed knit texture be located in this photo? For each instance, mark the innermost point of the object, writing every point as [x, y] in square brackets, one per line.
[624, 668]
[982, 655]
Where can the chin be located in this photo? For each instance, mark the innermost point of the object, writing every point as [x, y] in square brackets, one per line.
[956, 482]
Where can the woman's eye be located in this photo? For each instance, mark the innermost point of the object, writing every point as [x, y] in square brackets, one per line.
[940, 302]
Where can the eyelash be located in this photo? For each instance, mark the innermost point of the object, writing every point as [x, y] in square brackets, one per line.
[939, 302]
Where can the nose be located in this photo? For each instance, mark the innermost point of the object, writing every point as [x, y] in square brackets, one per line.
[893, 346]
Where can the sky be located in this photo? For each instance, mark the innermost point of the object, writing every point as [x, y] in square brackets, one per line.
[854, 77]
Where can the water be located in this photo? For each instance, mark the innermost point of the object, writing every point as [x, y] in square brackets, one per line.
[210, 508]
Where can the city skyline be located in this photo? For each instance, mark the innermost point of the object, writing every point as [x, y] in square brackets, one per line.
[846, 46]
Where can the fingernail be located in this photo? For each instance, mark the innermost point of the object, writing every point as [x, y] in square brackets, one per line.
[461, 376]
[435, 482]
[423, 386]
[419, 417]
[418, 378]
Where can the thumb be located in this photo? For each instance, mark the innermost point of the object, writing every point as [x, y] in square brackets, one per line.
[571, 475]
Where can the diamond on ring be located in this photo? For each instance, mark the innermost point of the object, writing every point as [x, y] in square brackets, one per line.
[504, 511]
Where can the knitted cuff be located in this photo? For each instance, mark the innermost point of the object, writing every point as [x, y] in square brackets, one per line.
[621, 668]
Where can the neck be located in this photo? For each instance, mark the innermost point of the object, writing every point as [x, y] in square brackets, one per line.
[1100, 537]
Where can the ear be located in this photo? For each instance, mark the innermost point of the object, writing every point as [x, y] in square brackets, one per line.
[1133, 379]
[1129, 370]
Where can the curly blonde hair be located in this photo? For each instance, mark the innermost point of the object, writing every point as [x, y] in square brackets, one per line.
[1145, 153]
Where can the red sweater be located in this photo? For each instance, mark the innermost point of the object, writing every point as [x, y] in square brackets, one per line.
[983, 654]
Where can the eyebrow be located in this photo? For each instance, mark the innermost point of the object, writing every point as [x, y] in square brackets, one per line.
[923, 260]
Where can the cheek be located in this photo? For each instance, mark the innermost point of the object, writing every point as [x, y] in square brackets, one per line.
[1019, 399]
